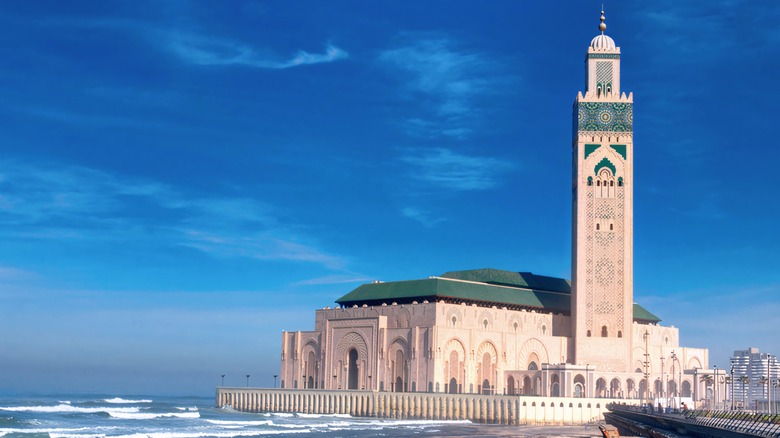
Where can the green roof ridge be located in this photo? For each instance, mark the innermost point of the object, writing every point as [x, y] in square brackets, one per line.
[489, 286]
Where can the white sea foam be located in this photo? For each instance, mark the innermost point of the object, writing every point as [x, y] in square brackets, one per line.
[193, 408]
[241, 423]
[69, 409]
[282, 414]
[220, 434]
[119, 400]
[386, 423]
[78, 435]
[54, 432]
[302, 415]
[150, 415]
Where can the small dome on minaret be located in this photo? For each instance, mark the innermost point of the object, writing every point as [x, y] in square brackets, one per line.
[602, 42]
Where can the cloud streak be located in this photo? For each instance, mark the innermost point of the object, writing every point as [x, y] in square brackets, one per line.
[421, 216]
[210, 51]
[447, 83]
[58, 202]
[446, 169]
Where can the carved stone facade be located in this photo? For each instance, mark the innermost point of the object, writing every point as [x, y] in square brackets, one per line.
[462, 348]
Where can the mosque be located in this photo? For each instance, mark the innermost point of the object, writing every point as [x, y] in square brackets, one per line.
[491, 331]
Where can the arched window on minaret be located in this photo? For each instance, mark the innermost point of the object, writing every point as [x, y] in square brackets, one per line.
[605, 183]
[603, 331]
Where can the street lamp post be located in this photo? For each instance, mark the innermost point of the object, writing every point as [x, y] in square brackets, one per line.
[663, 381]
[731, 372]
[677, 389]
[715, 383]
[247, 380]
[647, 368]
[304, 381]
[223, 380]
[587, 380]
[275, 376]
[769, 383]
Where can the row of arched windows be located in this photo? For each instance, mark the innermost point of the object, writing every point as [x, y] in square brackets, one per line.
[605, 332]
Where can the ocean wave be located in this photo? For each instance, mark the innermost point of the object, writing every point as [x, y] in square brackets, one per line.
[193, 408]
[386, 423]
[218, 434]
[65, 408]
[122, 401]
[241, 423]
[151, 416]
[302, 415]
[52, 432]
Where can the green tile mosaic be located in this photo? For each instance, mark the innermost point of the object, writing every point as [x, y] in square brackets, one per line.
[605, 116]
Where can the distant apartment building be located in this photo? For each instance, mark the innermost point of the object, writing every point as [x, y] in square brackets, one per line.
[751, 371]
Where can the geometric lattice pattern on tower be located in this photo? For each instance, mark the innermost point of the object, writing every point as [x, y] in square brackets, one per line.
[604, 285]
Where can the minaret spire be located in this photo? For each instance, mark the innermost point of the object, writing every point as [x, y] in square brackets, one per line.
[602, 25]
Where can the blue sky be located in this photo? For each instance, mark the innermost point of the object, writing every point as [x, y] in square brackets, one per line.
[181, 181]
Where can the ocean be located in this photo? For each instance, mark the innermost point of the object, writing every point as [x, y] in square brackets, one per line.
[184, 417]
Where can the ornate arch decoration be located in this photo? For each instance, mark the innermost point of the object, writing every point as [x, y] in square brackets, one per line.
[457, 345]
[311, 345]
[399, 343]
[515, 325]
[694, 362]
[485, 315]
[489, 348]
[402, 317]
[352, 340]
[456, 313]
[605, 163]
[667, 337]
[531, 346]
[611, 333]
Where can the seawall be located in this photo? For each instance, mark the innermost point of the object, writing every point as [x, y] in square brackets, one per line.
[496, 409]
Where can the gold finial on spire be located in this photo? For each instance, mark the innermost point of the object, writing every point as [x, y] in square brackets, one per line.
[602, 25]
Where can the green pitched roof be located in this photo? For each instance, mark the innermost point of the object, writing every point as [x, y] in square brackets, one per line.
[644, 315]
[509, 278]
[486, 286]
[436, 288]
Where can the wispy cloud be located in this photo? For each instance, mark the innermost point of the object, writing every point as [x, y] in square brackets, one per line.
[421, 216]
[332, 279]
[11, 274]
[446, 80]
[202, 50]
[59, 202]
[444, 168]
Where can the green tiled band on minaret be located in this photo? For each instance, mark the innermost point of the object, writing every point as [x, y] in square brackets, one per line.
[605, 116]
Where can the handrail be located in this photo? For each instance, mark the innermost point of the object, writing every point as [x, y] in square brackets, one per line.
[744, 422]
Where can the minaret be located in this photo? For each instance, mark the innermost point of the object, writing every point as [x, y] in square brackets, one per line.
[602, 223]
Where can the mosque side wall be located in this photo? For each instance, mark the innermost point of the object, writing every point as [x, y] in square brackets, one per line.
[429, 347]
[476, 408]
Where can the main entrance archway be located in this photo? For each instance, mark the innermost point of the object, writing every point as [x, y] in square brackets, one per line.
[352, 380]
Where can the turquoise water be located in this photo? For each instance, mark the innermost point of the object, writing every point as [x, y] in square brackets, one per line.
[183, 417]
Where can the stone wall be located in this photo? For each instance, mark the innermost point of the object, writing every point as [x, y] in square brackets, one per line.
[511, 410]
